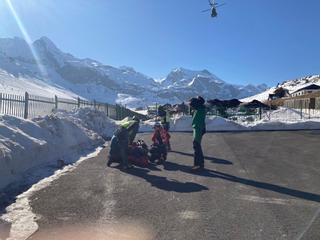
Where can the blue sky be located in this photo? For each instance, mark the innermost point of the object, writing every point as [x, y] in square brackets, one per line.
[252, 41]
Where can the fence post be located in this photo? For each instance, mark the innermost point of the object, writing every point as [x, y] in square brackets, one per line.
[94, 104]
[117, 112]
[78, 102]
[26, 105]
[0, 102]
[56, 102]
[301, 110]
[107, 109]
[260, 113]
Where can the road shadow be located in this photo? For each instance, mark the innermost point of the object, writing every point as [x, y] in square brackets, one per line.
[164, 184]
[262, 185]
[257, 184]
[151, 167]
[212, 159]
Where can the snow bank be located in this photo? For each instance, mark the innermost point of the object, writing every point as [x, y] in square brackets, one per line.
[94, 120]
[147, 126]
[183, 123]
[279, 125]
[222, 124]
[25, 144]
[289, 114]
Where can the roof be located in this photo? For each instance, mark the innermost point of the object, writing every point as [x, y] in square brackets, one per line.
[226, 103]
[310, 87]
[255, 104]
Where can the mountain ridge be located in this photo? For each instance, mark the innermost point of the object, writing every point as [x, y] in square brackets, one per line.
[92, 79]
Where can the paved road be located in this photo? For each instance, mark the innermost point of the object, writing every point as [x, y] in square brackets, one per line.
[263, 185]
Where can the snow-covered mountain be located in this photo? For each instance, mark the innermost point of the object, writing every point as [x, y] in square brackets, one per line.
[291, 85]
[47, 67]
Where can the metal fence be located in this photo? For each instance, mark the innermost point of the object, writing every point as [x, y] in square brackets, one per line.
[283, 114]
[30, 106]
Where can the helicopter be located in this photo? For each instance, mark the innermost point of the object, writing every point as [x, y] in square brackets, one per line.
[213, 8]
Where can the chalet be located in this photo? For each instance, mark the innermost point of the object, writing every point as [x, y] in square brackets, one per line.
[279, 93]
[306, 90]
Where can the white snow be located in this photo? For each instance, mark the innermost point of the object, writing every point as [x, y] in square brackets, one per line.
[18, 85]
[289, 114]
[25, 144]
[282, 119]
[126, 99]
[291, 85]
[260, 97]
[142, 112]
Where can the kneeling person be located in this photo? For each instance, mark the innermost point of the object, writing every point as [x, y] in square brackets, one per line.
[120, 141]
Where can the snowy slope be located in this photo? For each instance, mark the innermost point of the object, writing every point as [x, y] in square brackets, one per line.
[291, 85]
[93, 80]
[19, 85]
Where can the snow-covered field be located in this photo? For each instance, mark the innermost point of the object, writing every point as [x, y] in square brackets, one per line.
[19, 85]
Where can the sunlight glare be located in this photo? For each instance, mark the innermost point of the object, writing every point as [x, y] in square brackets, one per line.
[27, 38]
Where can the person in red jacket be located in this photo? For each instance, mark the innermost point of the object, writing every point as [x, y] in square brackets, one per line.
[158, 149]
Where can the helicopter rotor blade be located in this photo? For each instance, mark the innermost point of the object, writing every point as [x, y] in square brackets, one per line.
[220, 5]
[206, 10]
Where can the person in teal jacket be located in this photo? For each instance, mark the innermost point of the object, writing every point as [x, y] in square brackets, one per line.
[198, 111]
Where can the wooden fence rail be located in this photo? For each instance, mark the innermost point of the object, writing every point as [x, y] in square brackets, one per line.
[30, 106]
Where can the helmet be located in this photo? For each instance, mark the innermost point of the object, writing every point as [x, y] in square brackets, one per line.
[201, 100]
[157, 125]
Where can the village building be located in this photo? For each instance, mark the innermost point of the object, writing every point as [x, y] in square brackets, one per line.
[306, 90]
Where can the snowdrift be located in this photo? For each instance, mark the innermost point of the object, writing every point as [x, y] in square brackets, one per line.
[183, 124]
[25, 144]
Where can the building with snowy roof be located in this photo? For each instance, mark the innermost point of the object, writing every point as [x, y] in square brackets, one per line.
[306, 90]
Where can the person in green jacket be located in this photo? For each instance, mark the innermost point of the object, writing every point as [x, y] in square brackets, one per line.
[120, 141]
[198, 111]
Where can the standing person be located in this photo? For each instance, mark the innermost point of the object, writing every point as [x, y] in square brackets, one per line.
[158, 150]
[198, 111]
[120, 141]
[165, 122]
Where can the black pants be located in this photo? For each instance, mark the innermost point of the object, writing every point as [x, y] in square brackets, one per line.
[198, 154]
